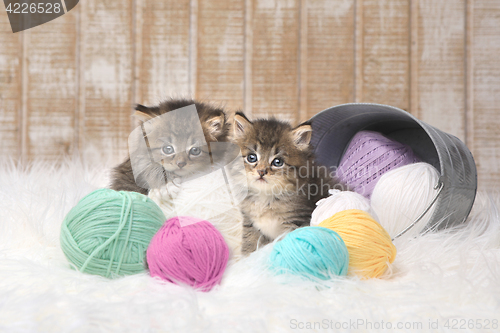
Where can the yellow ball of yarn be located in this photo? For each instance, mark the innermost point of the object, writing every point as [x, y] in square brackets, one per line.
[369, 245]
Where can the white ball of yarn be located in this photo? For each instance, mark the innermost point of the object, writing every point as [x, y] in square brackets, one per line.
[209, 198]
[402, 195]
[337, 202]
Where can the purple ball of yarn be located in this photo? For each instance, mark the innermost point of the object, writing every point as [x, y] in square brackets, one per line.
[368, 156]
[192, 253]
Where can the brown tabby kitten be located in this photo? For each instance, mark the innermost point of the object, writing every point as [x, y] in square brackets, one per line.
[284, 183]
[175, 145]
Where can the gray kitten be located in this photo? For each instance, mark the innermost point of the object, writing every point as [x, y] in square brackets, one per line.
[175, 147]
[284, 183]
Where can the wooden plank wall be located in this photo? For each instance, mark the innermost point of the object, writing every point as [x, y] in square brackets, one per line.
[67, 87]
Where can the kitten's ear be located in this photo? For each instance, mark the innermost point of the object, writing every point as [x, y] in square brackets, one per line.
[144, 113]
[216, 124]
[241, 124]
[301, 136]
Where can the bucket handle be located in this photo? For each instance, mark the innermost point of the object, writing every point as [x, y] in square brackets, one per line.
[439, 186]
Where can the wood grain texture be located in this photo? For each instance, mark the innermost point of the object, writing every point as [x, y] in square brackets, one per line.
[303, 60]
[10, 90]
[330, 50]
[248, 59]
[275, 26]
[220, 66]
[69, 85]
[441, 65]
[358, 51]
[137, 38]
[193, 46]
[385, 71]
[51, 88]
[414, 58]
[486, 85]
[164, 61]
[107, 56]
[469, 75]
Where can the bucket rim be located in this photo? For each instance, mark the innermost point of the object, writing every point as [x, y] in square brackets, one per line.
[394, 108]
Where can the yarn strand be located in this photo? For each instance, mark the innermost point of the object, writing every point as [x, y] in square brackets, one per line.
[310, 252]
[439, 187]
[107, 232]
[195, 254]
[369, 245]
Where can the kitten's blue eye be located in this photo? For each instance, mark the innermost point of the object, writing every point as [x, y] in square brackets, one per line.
[167, 150]
[277, 162]
[195, 151]
[252, 158]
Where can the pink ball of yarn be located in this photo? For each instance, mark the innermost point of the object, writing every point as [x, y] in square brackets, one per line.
[192, 253]
[368, 156]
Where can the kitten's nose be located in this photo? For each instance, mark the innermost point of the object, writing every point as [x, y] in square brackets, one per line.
[262, 173]
[181, 164]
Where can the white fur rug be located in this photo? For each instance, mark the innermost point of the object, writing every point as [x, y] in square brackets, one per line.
[439, 281]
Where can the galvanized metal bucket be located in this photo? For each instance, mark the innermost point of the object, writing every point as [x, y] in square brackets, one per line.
[333, 128]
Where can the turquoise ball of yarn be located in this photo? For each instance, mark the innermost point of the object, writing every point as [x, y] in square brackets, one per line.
[108, 232]
[311, 252]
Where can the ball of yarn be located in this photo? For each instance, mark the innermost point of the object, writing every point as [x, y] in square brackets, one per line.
[108, 232]
[310, 251]
[337, 202]
[368, 156]
[402, 195]
[370, 247]
[194, 254]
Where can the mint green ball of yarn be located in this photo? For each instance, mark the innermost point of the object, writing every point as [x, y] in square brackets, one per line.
[311, 252]
[108, 232]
